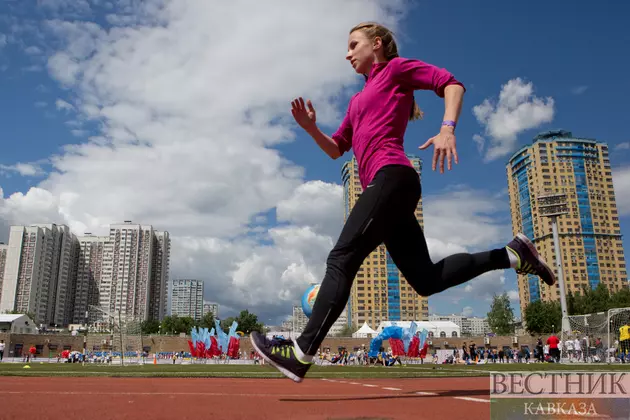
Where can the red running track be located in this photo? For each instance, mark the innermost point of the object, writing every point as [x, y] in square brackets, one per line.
[252, 399]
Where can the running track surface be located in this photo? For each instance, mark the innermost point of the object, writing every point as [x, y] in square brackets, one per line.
[231, 398]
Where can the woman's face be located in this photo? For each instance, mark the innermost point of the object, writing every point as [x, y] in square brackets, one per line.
[362, 51]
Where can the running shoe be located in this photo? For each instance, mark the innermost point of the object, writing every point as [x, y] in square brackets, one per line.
[529, 261]
[280, 353]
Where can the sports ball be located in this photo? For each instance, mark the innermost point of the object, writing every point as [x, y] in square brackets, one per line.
[308, 299]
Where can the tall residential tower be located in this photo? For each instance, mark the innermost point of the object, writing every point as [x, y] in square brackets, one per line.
[59, 278]
[39, 273]
[3, 259]
[135, 271]
[590, 235]
[380, 291]
[187, 298]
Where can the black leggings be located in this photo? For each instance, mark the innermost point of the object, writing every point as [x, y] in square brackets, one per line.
[385, 213]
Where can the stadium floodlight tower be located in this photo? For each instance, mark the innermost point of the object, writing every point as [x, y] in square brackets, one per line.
[553, 206]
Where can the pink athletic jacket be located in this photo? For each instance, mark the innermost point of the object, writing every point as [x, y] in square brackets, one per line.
[377, 117]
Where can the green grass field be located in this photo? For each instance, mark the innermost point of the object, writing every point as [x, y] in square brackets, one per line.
[253, 371]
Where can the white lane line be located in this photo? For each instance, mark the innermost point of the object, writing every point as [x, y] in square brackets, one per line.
[186, 394]
[473, 399]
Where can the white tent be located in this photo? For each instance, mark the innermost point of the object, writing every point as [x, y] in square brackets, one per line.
[364, 332]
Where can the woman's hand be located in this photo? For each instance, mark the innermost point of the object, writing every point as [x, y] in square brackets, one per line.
[445, 147]
[304, 115]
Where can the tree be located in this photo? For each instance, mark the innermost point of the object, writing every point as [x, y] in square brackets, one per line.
[169, 324]
[501, 315]
[248, 322]
[346, 331]
[597, 300]
[571, 303]
[185, 324]
[227, 323]
[175, 325]
[150, 326]
[543, 317]
[621, 299]
[207, 321]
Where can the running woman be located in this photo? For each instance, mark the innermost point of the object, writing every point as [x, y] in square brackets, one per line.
[374, 127]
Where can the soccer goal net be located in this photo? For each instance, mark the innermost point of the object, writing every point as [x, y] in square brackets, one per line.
[619, 334]
[597, 337]
[126, 344]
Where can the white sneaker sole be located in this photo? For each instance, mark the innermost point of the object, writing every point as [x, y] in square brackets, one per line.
[282, 370]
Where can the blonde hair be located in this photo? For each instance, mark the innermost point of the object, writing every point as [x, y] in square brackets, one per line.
[373, 30]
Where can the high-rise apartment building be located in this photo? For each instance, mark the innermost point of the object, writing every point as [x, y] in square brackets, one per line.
[380, 292]
[135, 271]
[39, 273]
[3, 259]
[590, 235]
[160, 275]
[211, 307]
[89, 276]
[60, 278]
[187, 298]
[340, 325]
[299, 320]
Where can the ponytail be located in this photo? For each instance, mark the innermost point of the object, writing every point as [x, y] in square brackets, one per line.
[416, 112]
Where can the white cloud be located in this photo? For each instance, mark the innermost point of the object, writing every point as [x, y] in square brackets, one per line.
[3, 40]
[63, 105]
[317, 204]
[578, 90]
[33, 50]
[623, 146]
[192, 98]
[41, 104]
[463, 218]
[621, 182]
[66, 8]
[36, 206]
[33, 68]
[480, 141]
[517, 110]
[467, 311]
[23, 169]
[513, 295]
[243, 274]
[484, 286]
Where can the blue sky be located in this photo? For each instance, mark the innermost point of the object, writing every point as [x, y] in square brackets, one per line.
[64, 82]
